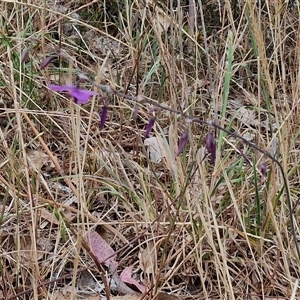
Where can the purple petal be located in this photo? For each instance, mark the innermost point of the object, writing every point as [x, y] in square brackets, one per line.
[103, 116]
[149, 127]
[182, 142]
[59, 88]
[81, 96]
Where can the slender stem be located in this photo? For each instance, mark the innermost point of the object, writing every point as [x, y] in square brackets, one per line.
[140, 98]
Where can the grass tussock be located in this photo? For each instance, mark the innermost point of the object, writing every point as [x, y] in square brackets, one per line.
[190, 226]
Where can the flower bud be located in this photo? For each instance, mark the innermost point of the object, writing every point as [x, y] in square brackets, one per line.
[103, 116]
[182, 142]
[47, 61]
[263, 170]
[210, 145]
[149, 127]
[25, 55]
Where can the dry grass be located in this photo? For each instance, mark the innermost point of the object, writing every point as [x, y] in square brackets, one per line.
[191, 228]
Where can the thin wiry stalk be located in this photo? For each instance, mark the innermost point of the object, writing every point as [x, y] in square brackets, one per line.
[141, 98]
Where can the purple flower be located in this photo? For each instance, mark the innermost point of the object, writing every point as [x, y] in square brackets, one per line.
[211, 146]
[81, 96]
[103, 116]
[182, 142]
[149, 127]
